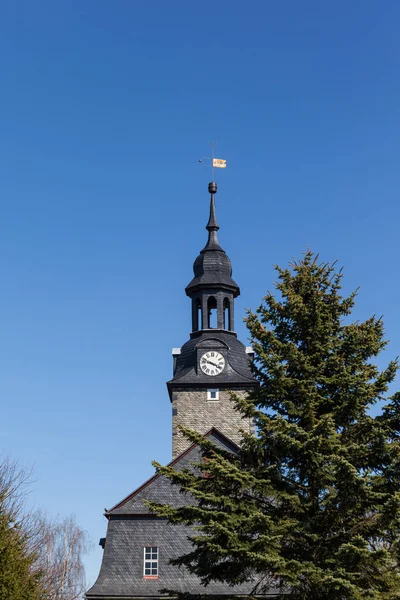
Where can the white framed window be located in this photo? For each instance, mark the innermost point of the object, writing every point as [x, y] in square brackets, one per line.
[213, 394]
[150, 564]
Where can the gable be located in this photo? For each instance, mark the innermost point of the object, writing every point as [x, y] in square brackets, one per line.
[160, 489]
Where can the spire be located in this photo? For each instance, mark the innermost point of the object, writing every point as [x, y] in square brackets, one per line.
[212, 268]
[212, 225]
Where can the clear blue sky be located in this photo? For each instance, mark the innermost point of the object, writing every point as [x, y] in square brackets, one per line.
[105, 109]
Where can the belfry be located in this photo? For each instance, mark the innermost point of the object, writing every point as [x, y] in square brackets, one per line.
[211, 365]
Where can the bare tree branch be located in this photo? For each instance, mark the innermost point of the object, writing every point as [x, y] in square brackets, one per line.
[55, 546]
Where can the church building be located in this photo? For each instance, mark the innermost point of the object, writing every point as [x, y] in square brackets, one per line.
[212, 363]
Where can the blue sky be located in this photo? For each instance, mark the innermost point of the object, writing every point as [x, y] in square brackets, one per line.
[105, 109]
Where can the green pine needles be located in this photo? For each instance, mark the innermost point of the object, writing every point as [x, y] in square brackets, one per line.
[310, 505]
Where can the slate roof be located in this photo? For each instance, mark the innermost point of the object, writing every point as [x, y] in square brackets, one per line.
[237, 371]
[131, 527]
[212, 268]
[159, 488]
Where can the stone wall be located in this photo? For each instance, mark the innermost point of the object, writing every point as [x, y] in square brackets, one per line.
[191, 409]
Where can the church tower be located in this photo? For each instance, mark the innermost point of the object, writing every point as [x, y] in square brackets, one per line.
[139, 545]
[213, 362]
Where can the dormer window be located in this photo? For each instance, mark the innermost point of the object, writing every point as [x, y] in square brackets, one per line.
[213, 395]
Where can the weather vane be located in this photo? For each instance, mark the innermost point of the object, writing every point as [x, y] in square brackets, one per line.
[216, 163]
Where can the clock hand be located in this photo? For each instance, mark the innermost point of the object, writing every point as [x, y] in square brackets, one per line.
[213, 363]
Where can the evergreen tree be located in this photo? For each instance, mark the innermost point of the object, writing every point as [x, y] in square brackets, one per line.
[20, 579]
[310, 504]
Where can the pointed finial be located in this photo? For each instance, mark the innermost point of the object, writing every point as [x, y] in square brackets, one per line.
[212, 225]
[212, 221]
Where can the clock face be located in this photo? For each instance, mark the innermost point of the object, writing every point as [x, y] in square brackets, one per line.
[212, 363]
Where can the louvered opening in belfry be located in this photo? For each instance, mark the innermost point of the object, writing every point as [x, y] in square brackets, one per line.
[212, 313]
[227, 314]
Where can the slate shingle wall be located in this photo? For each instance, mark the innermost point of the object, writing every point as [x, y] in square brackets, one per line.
[122, 569]
[131, 528]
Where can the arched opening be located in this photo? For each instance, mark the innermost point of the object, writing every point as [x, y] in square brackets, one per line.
[212, 312]
[227, 314]
[197, 315]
